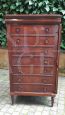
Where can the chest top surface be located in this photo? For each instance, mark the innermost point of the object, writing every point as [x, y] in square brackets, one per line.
[33, 18]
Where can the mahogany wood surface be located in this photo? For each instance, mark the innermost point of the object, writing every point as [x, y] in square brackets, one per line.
[33, 48]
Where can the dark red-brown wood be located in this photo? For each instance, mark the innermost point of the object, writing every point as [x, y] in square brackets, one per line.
[33, 48]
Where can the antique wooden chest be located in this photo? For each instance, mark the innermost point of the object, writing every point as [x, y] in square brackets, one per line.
[33, 48]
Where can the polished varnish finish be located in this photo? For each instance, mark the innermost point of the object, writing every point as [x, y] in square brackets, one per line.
[33, 45]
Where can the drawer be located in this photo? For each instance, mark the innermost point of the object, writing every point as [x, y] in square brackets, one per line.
[33, 29]
[32, 88]
[46, 51]
[32, 59]
[33, 41]
[33, 79]
[31, 69]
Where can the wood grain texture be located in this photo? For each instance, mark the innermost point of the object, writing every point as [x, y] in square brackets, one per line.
[33, 48]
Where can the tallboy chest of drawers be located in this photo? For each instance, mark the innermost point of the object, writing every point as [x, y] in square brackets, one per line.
[33, 48]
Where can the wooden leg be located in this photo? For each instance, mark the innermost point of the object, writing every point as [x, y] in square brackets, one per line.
[52, 101]
[12, 99]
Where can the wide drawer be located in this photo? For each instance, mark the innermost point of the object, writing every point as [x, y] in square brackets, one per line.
[33, 79]
[32, 88]
[30, 59]
[45, 51]
[31, 69]
[33, 41]
[33, 29]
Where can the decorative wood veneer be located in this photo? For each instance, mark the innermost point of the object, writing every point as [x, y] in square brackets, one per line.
[33, 46]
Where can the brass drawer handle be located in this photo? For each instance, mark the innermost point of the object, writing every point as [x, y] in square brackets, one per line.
[46, 52]
[46, 41]
[46, 29]
[20, 79]
[17, 30]
[18, 41]
[45, 62]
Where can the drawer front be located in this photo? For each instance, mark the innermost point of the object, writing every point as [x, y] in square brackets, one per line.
[32, 88]
[46, 51]
[30, 70]
[34, 29]
[33, 41]
[32, 59]
[33, 79]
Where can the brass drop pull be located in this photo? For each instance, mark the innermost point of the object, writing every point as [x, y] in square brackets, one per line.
[46, 41]
[45, 62]
[46, 52]
[20, 79]
[17, 30]
[46, 29]
[18, 41]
